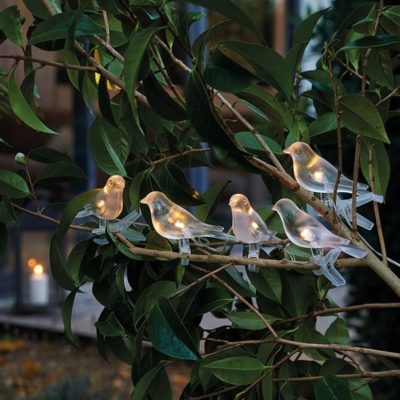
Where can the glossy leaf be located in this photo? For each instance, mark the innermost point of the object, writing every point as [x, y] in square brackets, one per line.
[109, 146]
[249, 320]
[48, 155]
[230, 9]
[61, 171]
[211, 199]
[168, 334]
[22, 109]
[338, 332]
[332, 388]
[12, 185]
[146, 382]
[10, 24]
[372, 42]
[133, 57]
[67, 315]
[268, 283]
[7, 214]
[250, 142]
[323, 124]
[360, 116]
[267, 63]
[64, 25]
[236, 370]
[380, 165]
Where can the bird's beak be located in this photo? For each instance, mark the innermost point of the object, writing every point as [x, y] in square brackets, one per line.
[273, 208]
[286, 151]
[145, 200]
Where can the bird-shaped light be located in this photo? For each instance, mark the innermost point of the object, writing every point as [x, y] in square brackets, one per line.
[174, 222]
[305, 231]
[107, 205]
[318, 175]
[249, 227]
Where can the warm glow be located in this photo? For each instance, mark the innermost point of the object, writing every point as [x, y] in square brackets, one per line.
[318, 176]
[38, 269]
[101, 203]
[254, 225]
[31, 262]
[179, 224]
[306, 234]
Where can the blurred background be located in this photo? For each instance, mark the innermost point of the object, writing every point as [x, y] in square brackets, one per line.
[35, 360]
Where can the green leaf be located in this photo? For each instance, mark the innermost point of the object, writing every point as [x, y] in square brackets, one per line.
[150, 297]
[137, 47]
[61, 171]
[372, 42]
[177, 187]
[268, 282]
[12, 185]
[249, 321]
[47, 155]
[109, 146]
[104, 101]
[168, 334]
[338, 332]
[59, 267]
[250, 142]
[22, 109]
[134, 189]
[236, 370]
[10, 24]
[39, 9]
[68, 24]
[146, 382]
[324, 123]
[332, 388]
[226, 80]
[67, 315]
[360, 116]
[230, 9]
[301, 37]
[211, 198]
[161, 102]
[267, 63]
[109, 327]
[380, 165]
[201, 114]
[380, 68]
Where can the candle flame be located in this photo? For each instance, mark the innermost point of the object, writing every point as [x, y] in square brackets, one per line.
[31, 262]
[38, 269]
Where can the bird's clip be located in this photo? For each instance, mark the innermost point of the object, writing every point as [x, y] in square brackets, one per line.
[327, 266]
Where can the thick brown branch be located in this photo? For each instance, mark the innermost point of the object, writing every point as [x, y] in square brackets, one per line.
[219, 259]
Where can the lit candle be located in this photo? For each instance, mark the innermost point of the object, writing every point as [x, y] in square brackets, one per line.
[39, 286]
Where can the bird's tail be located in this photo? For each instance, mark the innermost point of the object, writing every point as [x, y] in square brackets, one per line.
[223, 236]
[354, 251]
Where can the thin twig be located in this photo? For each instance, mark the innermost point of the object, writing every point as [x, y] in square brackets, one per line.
[164, 160]
[391, 94]
[365, 374]
[28, 174]
[75, 67]
[50, 219]
[242, 299]
[356, 171]
[351, 70]
[338, 130]
[199, 280]
[106, 26]
[376, 209]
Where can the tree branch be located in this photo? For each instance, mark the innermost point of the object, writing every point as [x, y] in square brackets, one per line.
[164, 160]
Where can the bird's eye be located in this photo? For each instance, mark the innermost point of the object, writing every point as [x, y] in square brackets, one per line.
[298, 151]
[110, 182]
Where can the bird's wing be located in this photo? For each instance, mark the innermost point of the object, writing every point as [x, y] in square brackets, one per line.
[194, 224]
[260, 228]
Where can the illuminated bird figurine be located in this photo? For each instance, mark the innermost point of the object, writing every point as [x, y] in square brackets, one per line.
[174, 222]
[305, 231]
[249, 227]
[318, 175]
[107, 205]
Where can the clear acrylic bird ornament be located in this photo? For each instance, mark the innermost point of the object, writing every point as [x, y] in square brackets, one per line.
[318, 175]
[249, 227]
[305, 231]
[174, 222]
[107, 205]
